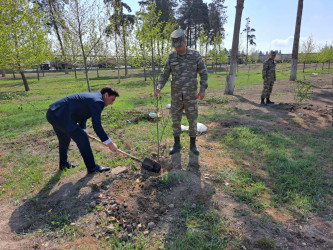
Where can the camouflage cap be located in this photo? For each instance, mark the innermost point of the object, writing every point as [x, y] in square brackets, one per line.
[272, 53]
[177, 37]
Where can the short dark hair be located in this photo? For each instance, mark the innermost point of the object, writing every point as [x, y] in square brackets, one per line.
[109, 90]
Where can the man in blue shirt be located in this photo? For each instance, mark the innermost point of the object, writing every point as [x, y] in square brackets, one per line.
[69, 115]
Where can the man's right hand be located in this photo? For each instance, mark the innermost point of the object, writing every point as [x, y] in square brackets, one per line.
[113, 147]
[157, 93]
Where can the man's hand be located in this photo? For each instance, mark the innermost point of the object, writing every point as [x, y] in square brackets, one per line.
[113, 147]
[157, 92]
[201, 96]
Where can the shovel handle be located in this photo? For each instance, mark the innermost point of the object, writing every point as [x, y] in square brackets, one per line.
[118, 150]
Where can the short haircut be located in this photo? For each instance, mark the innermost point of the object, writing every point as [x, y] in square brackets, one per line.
[109, 90]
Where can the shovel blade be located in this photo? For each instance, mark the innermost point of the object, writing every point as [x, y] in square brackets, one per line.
[150, 165]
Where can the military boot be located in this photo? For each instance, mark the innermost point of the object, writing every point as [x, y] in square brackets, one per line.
[263, 101]
[193, 147]
[176, 147]
[268, 101]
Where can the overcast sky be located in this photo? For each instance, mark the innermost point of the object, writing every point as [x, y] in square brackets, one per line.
[274, 21]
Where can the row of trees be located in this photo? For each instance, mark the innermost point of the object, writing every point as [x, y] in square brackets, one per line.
[312, 53]
[79, 32]
[85, 32]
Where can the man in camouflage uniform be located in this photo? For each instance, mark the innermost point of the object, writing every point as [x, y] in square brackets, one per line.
[269, 76]
[184, 64]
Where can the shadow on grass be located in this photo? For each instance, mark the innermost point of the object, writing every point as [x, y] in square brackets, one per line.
[52, 210]
[295, 173]
[195, 223]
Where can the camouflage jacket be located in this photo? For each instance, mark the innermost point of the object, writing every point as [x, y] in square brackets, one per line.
[184, 70]
[268, 70]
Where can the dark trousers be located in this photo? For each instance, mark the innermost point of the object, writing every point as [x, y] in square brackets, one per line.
[64, 137]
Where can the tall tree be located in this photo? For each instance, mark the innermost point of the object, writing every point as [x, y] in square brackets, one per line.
[53, 10]
[80, 19]
[193, 19]
[217, 18]
[165, 9]
[23, 36]
[249, 37]
[294, 56]
[121, 23]
[230, 80]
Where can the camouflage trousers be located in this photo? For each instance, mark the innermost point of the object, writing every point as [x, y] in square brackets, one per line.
[268, 87]
[191, 111]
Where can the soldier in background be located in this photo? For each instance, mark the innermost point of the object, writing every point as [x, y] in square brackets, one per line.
[184, 64]
[269, 76]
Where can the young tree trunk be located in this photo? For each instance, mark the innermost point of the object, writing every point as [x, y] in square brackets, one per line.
[125, 50]
[117, 59]
[294, 60]
[3, 73]
[75, 73]
[25, 82]
[38, 72]
[230, 80]
[85, 63]
[86, 73]
[56, 28]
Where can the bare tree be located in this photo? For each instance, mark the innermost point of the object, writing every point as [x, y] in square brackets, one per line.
[294, 56]
[80, 19]
[230, 80]
[53, 10]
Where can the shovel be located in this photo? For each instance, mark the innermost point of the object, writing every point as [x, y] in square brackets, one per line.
[147, 164]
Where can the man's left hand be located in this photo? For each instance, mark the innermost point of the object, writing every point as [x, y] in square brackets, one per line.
[201, 96]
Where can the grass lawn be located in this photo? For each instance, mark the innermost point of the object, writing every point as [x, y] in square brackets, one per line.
[265, 168]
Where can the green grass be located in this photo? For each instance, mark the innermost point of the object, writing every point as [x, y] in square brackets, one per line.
[295, 178]
[271, 167]
[203, 229]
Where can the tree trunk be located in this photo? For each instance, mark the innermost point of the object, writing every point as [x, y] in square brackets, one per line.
[14, 75]
[38, 72]
[117, 59]
[66, 69]
[75, 73]
[294, 56]
[86, 72]
[3, 73]
[84, 61]
[125, 50]
[25, 82]
[56, 28]
[230, 80]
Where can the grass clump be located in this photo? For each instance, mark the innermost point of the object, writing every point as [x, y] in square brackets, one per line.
[203, 230]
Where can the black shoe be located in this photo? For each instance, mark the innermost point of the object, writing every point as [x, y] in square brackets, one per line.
[67, 166]
[98, 168]
[268, 101]
[176, 147]
[193, 147]
[263, 102]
